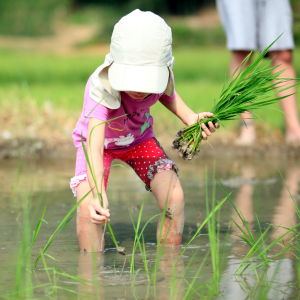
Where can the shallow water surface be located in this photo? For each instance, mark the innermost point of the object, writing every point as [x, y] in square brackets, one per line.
[216, 264]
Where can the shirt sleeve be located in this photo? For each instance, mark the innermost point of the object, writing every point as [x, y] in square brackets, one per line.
[93, 109]
[165, 97]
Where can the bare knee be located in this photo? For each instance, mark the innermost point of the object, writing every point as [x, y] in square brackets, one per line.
[281, 57]
[174, 206]
[240, 54]
[167, 190]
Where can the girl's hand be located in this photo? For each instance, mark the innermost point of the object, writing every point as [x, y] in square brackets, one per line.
[99, 214]
[209, 128]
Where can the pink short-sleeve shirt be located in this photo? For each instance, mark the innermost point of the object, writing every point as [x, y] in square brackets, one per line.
[132, 122]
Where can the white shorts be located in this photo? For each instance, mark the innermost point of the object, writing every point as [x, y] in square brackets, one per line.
[255, 24]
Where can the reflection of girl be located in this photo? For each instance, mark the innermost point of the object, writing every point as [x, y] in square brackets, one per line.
[135, 75]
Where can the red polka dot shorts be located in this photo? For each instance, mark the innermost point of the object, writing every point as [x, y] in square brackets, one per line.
[146, 159]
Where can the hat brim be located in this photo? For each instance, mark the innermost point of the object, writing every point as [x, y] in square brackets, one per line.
[144, 79]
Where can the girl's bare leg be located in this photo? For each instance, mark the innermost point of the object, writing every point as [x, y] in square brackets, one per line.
[169, 195]
[89, 235]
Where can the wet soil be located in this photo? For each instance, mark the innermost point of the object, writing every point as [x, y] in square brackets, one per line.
[26, 147]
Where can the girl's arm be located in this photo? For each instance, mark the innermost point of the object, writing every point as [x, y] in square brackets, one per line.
[187, 116]
[95, 150]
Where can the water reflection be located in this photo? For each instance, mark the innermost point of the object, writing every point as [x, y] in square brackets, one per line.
[259, 191]
[89, 267]
[285, 212]
[171, 267]
[164, 281]
[275, 279]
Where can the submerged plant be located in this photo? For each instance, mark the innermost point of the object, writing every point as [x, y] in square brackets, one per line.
[251, 87]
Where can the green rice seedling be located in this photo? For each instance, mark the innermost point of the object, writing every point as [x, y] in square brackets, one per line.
[62, 224]
[213, 226]
[204, 222]
[24, 286]
[264, 284]
[212, 221]
[171, 270]
[136, 235]
[256, 244]
[175, 281]
[46, 267]
[297, 267]
[160, 247]
[133, 285]
[298, 252]
[119, 249]
[23, 279]
[192, 286]
[259, 246]
[136, 242]
[55, 275]
[160, 244]
[278, 241]
[144, 257]
[139, 242]
[251, 87]
[38, 226]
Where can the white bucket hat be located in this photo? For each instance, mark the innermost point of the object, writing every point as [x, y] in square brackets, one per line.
[141, 48]
[140, 59]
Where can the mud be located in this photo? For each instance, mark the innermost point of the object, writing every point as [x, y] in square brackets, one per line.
[23, 147]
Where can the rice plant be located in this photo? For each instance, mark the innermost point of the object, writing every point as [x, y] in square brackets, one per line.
[139, 242]
[210, 214]
[62, 224]
[193, 287]
[250, 87]
[119, 249]
[260, 246]
[213, 226]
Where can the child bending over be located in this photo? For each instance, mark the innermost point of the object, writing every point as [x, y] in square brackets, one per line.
[134, 76]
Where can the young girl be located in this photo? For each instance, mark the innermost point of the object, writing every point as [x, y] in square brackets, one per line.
[135, 75]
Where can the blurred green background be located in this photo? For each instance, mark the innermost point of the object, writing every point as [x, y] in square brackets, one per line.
[48, 48]
[38, 17]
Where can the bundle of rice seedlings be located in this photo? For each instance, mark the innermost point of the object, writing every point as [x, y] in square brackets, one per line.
[251, 87]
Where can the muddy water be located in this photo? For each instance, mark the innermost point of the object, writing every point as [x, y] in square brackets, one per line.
[264, 192]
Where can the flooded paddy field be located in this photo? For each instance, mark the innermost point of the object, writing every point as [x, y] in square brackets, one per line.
[241, 235]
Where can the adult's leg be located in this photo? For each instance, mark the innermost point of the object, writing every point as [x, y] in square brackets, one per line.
[283, 59]
[247, 131]
[89, 235]
[167, 190]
